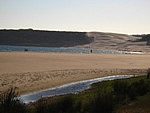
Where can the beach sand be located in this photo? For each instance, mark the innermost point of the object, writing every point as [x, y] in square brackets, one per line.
[31, 71]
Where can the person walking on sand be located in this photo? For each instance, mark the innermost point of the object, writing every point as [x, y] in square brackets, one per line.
[91, 51]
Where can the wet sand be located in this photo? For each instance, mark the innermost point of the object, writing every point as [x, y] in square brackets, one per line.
[29, 71]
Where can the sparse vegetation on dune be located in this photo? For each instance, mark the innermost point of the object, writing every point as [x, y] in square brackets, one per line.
[118, 96]
[144, 38]
[29, 37]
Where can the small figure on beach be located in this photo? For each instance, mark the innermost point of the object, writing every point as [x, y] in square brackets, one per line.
[25, 50]
[91, 51]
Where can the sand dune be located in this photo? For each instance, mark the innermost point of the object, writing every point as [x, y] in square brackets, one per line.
[34, 71]
[115, 41]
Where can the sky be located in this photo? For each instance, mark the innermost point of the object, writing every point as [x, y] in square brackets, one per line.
[119, 16]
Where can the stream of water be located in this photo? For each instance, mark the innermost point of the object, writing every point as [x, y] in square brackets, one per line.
[70, 88]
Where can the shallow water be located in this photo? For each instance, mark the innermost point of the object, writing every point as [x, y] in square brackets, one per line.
[66, 50]
[70, 88]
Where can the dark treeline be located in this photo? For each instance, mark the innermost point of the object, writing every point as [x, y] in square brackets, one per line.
[104, 97]
[144, 37]
[29, 37]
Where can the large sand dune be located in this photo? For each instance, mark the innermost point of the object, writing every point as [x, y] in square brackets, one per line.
[115, 41]
[34, 71]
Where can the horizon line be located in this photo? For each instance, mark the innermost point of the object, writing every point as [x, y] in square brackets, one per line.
[72, 31]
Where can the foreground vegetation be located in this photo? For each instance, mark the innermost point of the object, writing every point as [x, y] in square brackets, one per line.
[119, 96]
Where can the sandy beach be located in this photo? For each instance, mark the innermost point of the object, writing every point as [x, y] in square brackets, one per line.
[31, 71]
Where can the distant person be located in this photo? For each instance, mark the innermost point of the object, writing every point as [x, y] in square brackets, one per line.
[25, 50]
[91, 51]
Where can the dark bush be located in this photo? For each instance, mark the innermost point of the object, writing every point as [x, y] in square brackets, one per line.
[138, 88]
[64, 105]
[121, 90]
[9, 102]
[124, 90]
[121, 87]
[41, 107]
[102, 103]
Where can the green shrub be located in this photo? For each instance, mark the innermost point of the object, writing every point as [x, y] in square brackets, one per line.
[64, 105]
[124, 90]
[102, 103]
[138, 88]
[121, 90]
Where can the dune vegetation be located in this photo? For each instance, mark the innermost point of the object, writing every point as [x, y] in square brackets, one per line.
[119, 96]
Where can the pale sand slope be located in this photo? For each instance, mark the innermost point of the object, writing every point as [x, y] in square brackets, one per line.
[115, 41]
[34, 71]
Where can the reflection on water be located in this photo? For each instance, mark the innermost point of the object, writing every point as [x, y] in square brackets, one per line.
[70, 88]
[66, 50]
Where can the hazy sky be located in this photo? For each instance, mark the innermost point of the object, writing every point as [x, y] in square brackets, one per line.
[123, 16]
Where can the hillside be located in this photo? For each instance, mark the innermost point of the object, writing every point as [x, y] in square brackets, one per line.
[114, 41]
[31, 37]
[97, 40]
